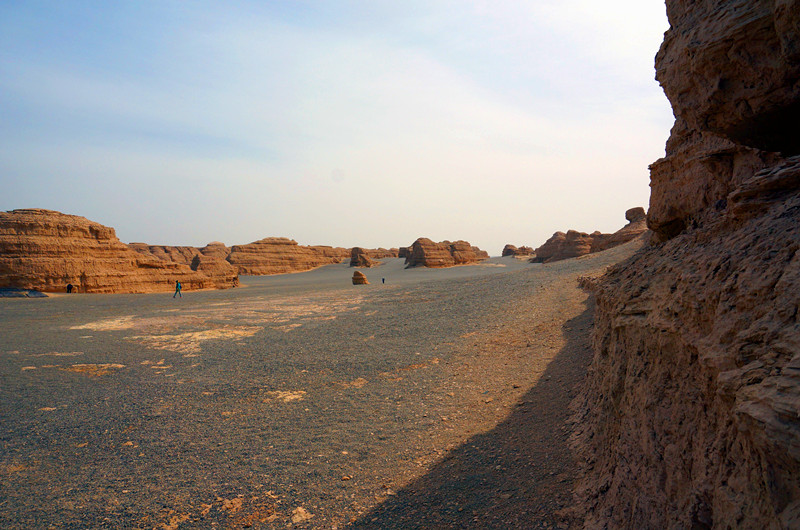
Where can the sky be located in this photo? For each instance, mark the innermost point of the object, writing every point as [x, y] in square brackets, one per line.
[347, 123]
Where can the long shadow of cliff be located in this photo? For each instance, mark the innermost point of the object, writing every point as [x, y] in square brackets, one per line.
[518, 475]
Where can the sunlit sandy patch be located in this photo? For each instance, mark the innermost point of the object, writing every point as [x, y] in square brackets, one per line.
[109, 324]
[94, 370]
[492, 265]
[59, 354]
[48, 409]
[287, 328]
[13, 468]
[26, 368]
[190, 342]
[287, 395]
[356, 383]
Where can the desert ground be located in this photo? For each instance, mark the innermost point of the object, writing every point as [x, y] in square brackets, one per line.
[439, 399]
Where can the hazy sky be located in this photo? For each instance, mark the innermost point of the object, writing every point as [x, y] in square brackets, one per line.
[345, 123]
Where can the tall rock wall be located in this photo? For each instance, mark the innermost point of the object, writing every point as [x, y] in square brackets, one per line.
[46, 250]
[690, 417]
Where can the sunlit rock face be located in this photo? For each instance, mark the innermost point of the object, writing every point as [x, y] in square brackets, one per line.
[46, 250]
[426, 253]
[690, 417]
[573, 244]
[278, 255]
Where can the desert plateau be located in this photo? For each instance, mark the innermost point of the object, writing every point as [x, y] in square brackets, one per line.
[638, 369]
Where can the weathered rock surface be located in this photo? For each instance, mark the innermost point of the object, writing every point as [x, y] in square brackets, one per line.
[278, 255]
[359, 257]
[426, 253]
[573, 243]
[45, 250]
[691, 413]
[359, 278]
[511, 250]
[175, 254]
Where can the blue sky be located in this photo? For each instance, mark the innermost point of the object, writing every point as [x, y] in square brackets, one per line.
[345, 123]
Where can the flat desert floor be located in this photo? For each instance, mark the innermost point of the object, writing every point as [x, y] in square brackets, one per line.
[436, 400]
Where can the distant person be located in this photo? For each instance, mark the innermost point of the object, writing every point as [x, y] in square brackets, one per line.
[70, 287]
[177, 290]
[383, 280]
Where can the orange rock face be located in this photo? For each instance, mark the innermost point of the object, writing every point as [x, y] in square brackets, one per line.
[359, 278]
[573, 244]
[46, 250]
[278, 255]
[511, 250]
[426, 253]
[689, 416]
[359, 257]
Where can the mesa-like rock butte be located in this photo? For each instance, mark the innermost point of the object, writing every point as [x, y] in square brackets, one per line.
[425, 253]
[46, 250]
[513, 250]
[690, 416]
[573, 243]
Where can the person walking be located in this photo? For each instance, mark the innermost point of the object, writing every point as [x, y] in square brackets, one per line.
[177, 290]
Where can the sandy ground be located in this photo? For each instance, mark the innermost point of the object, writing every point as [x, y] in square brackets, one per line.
[436, 400]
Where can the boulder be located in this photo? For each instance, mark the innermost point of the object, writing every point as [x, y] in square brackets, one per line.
[359, 278]
[45, 250]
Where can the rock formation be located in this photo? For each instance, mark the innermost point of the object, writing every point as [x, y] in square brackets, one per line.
[511, 250]
[573, 244]
[278, 255]
[359, 278]
[182, 255]
[404, 252]
[45, 250]
[426, 253]
[359, 257]
[690, 417]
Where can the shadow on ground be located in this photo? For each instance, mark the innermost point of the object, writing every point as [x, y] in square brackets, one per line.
[519, 475]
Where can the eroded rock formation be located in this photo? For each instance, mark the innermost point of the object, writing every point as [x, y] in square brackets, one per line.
[359, 278]
[511, 250]
[359, 257]
[573, 243]
[426, 253]
[46, 250]
[278, 255]
[691, 413]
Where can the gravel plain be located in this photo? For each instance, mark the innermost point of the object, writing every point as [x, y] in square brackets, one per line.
[436, 400]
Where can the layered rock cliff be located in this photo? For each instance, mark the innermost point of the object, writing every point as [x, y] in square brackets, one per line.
[46, 250]
[690, 417]
[278, 255]
[426, 253]
[573, 243]
[359, 257]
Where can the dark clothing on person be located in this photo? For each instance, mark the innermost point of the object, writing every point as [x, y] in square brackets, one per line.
[69, 287]
[177, 290]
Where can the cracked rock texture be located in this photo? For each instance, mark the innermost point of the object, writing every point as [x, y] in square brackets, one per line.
[690, 415]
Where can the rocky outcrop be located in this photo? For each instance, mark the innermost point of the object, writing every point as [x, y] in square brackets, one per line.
[382, 253]
[511, 250]
[359, 257]
[426, 253]
[690, 417]
[279, 255]
[46, 250]
[404, 252]
[182, 255]
[359, 278]
[573, 244]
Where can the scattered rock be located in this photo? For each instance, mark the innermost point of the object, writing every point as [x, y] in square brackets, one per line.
[359, 278]
[300, 514]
